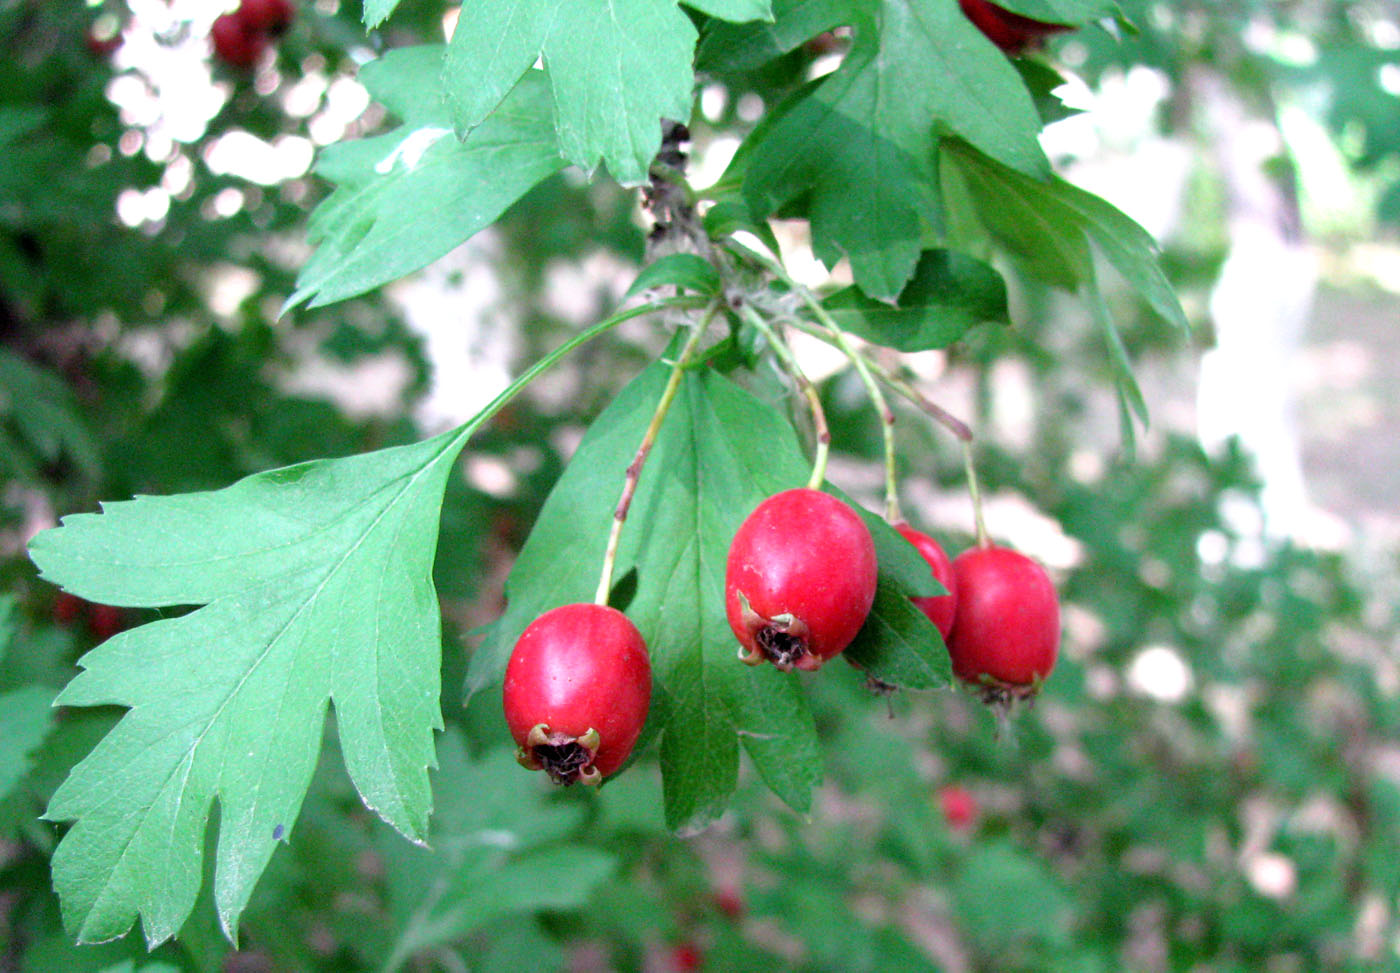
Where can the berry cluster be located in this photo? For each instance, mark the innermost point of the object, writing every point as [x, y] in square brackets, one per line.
[801, 579]
[241, 37]
[800, 582]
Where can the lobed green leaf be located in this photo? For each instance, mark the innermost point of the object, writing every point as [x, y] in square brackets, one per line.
[315, 587]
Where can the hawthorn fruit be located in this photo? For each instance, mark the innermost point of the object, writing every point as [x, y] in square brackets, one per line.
[800, 580]
[577, 690]
[1013, 33]
[1006, 629]
[938, 608]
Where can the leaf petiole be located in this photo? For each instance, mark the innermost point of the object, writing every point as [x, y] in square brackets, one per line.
[634, 469]
[552, 358]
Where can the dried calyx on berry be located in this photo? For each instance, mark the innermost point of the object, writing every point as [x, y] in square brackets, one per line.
[566, 759]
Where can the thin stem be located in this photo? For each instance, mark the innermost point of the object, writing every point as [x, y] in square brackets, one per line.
[933, 410]
[814, 402]
[634, 469]
[983, 540]
[872, 388]
[552, 358]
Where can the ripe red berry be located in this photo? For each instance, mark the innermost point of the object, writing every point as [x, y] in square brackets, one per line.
[938, 608]
[800, 580]
[1006, 630]
[959, 807]
[66, 608]
[1011, 32]
[235, 43]
[105, 620]
[577, 689]
[271, 16]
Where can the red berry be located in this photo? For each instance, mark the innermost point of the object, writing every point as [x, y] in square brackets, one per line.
[1006, 631]
[1011, 32]
[102, 45]
[800, 580]
[729, 901]
[959, 807]
[235, 43]
[270, 16]
[105, 620]
[66, 608]
[577, 689]
[686, 957]
[938, 608]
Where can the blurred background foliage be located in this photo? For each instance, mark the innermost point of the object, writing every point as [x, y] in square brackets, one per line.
[1211, 779]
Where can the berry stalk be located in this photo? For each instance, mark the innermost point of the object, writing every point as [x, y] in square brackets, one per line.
[983, 540]
[862, 366]
[634, 469]
[789, 362]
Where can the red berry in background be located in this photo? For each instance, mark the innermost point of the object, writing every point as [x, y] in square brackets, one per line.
[105, 621]
[686, 957]
[1011, 32]
[729, 901]
[938, 608]
[102, 46]
[270, 16]
[577, 689]
[235, 43]
[1006, 630]
[959, 807]
[800, 579]
[67, 608]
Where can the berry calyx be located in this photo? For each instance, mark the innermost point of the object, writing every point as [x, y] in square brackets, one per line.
[938, 608]
[800, 580]
[577, 690]
[235, 42]
[1012, 32]
[1006, 628]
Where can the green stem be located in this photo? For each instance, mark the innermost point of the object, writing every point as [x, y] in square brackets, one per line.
[784, 353]
[552, 358]
[933, 410]
[972, 488]
[872, 388]
[634, 469]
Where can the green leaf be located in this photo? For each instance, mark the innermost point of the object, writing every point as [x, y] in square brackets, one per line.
[899, 645]
[378, 11]
[25, 717]
[948, 294]
[1054, 228]
[495, 852]
[616, 69]
[42, 411]
[862, 143]
[404, 199]
[1062, 11]
[315, 582]
[683, 270]
[731, 47]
